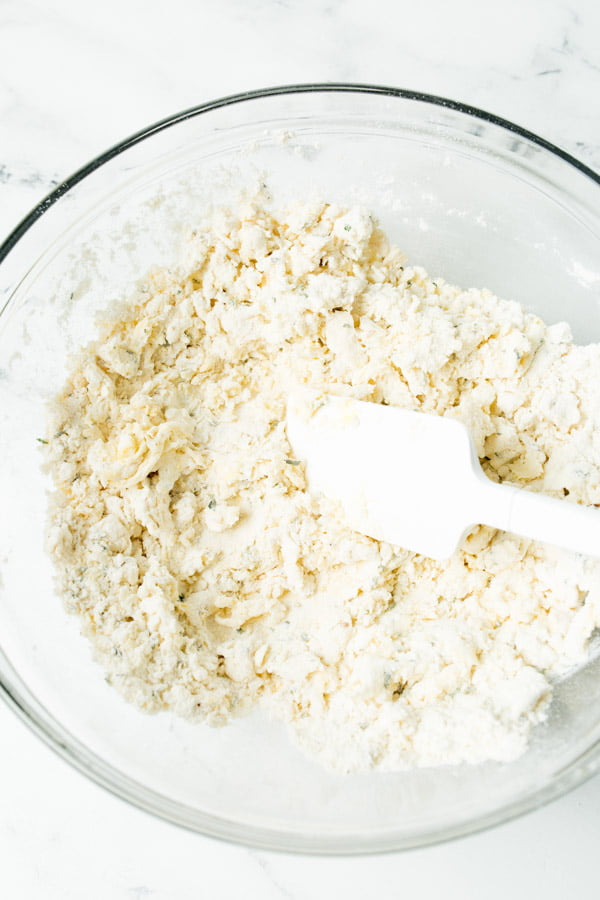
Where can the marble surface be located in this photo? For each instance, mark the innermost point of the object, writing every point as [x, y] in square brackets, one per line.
[76, 77]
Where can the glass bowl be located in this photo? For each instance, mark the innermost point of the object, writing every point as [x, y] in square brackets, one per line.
[469, 196]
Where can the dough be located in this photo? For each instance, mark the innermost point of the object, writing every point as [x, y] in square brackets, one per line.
[209, 581]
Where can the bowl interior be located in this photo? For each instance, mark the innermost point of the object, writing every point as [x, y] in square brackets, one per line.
[465, 198]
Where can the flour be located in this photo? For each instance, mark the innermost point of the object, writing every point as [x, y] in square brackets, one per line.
[210, 581]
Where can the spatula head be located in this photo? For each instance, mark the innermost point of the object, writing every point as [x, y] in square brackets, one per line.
[401, 476]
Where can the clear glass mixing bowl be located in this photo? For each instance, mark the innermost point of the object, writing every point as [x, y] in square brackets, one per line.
[465, 194]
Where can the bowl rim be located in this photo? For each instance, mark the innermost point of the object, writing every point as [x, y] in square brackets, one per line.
[52, 733]
[310, 87]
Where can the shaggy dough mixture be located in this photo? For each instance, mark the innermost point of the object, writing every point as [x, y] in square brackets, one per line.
[209, 581]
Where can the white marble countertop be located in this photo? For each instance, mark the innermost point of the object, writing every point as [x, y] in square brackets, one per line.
[74, 78]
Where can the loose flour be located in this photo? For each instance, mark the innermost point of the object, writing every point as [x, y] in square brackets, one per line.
[209, 581]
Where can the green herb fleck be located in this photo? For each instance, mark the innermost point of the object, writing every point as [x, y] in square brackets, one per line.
[293, 462]
[347, 227]
[181, 598]
[399, 689]
[212, 503]
[41, 440]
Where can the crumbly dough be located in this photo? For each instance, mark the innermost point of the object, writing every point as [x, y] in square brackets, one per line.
[209, 581]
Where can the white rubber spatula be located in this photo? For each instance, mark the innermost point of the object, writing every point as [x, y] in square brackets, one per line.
[414, 479]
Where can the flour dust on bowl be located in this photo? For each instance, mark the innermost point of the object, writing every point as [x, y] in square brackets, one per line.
[472, 199]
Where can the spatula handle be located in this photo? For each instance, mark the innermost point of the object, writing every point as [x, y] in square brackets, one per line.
[560, 522]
